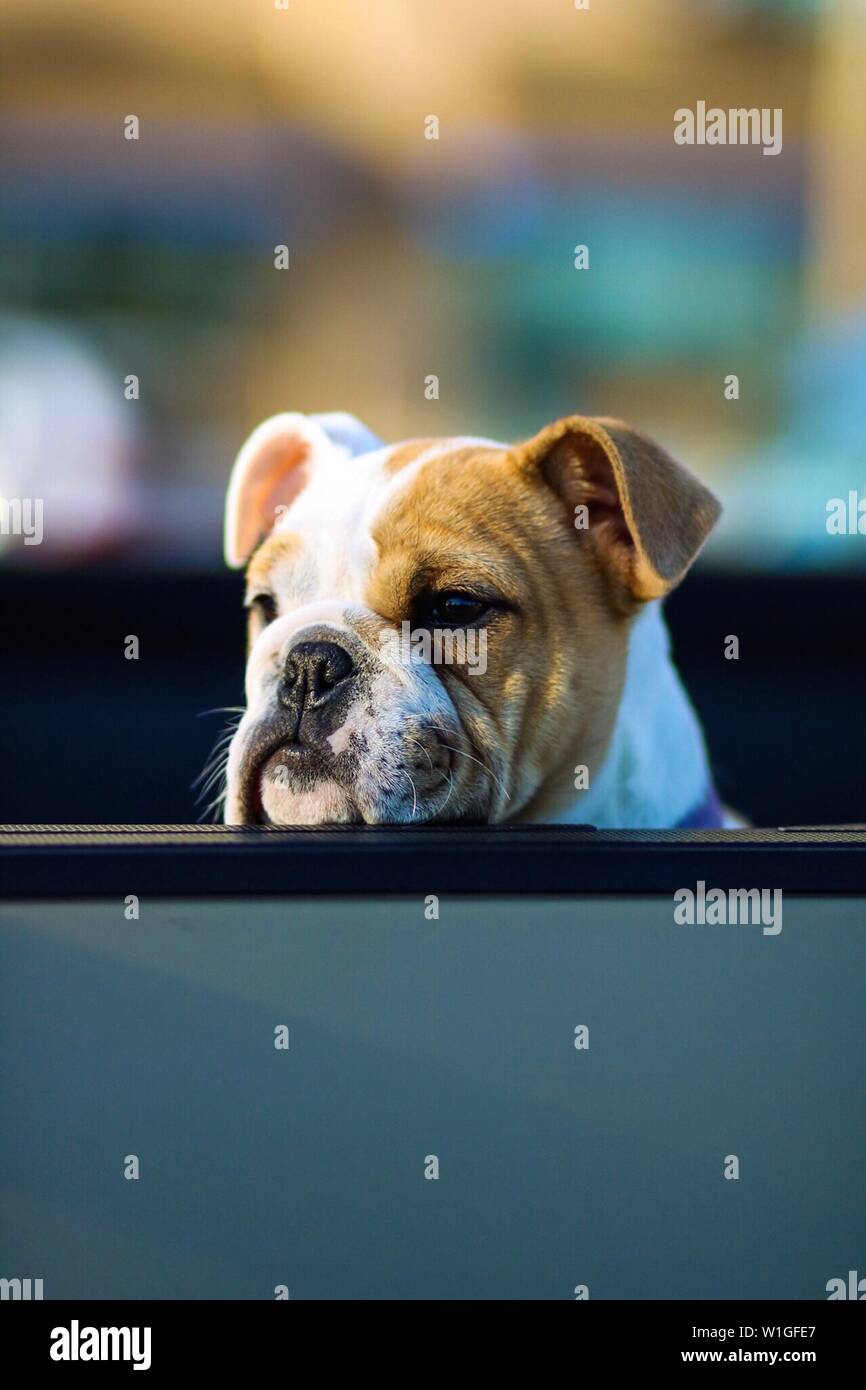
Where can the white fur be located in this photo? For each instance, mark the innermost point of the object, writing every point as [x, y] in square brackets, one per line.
[655, 771]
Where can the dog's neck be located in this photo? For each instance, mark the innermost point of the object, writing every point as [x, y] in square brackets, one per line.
[655, 770]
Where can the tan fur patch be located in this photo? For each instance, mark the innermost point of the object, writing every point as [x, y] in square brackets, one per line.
[556, 659]
[404, 454]
[280, 547]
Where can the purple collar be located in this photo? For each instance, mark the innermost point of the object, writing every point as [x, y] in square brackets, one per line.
[707, 815]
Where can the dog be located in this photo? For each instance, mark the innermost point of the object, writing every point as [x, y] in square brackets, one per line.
[553, 555]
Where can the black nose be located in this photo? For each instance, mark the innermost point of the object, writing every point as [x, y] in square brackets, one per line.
[315, 686]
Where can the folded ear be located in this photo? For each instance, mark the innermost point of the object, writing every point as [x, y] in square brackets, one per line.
[271, 469]
[646, 516]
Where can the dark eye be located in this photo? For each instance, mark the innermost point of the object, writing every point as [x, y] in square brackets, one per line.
[451, 609]
[264, 607]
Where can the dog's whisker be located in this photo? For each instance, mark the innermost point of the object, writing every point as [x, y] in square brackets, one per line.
[216, 763]
[210, 773]
[217, 752]
[211, 782]
[450, 790]
[215, 768]
[414, 793]
[223, 741]
[213, 808]
[225, 738]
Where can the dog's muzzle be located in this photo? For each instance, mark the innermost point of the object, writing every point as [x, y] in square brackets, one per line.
[318, 683]
[339, 735]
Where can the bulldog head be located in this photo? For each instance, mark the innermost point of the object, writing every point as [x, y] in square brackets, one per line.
[438, 629]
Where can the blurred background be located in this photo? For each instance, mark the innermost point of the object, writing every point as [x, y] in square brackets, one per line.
[153, 259]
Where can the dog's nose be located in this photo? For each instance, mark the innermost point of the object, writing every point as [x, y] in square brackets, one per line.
[315, 674]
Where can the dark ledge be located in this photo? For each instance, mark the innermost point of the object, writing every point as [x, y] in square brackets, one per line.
[45, 861]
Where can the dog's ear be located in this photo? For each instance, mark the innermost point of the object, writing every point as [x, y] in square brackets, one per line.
[273, 466]
[646, 516]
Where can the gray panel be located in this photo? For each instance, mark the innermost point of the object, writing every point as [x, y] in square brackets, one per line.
[411, 1038]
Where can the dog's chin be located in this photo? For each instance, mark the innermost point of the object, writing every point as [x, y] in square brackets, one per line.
[286, 790]
[294, 786]
[328, 803]
[324, 804]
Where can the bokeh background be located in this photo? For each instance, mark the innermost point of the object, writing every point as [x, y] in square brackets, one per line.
[305, 127]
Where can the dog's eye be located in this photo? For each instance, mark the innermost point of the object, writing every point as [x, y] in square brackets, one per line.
[450, 609]
[263, 606]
